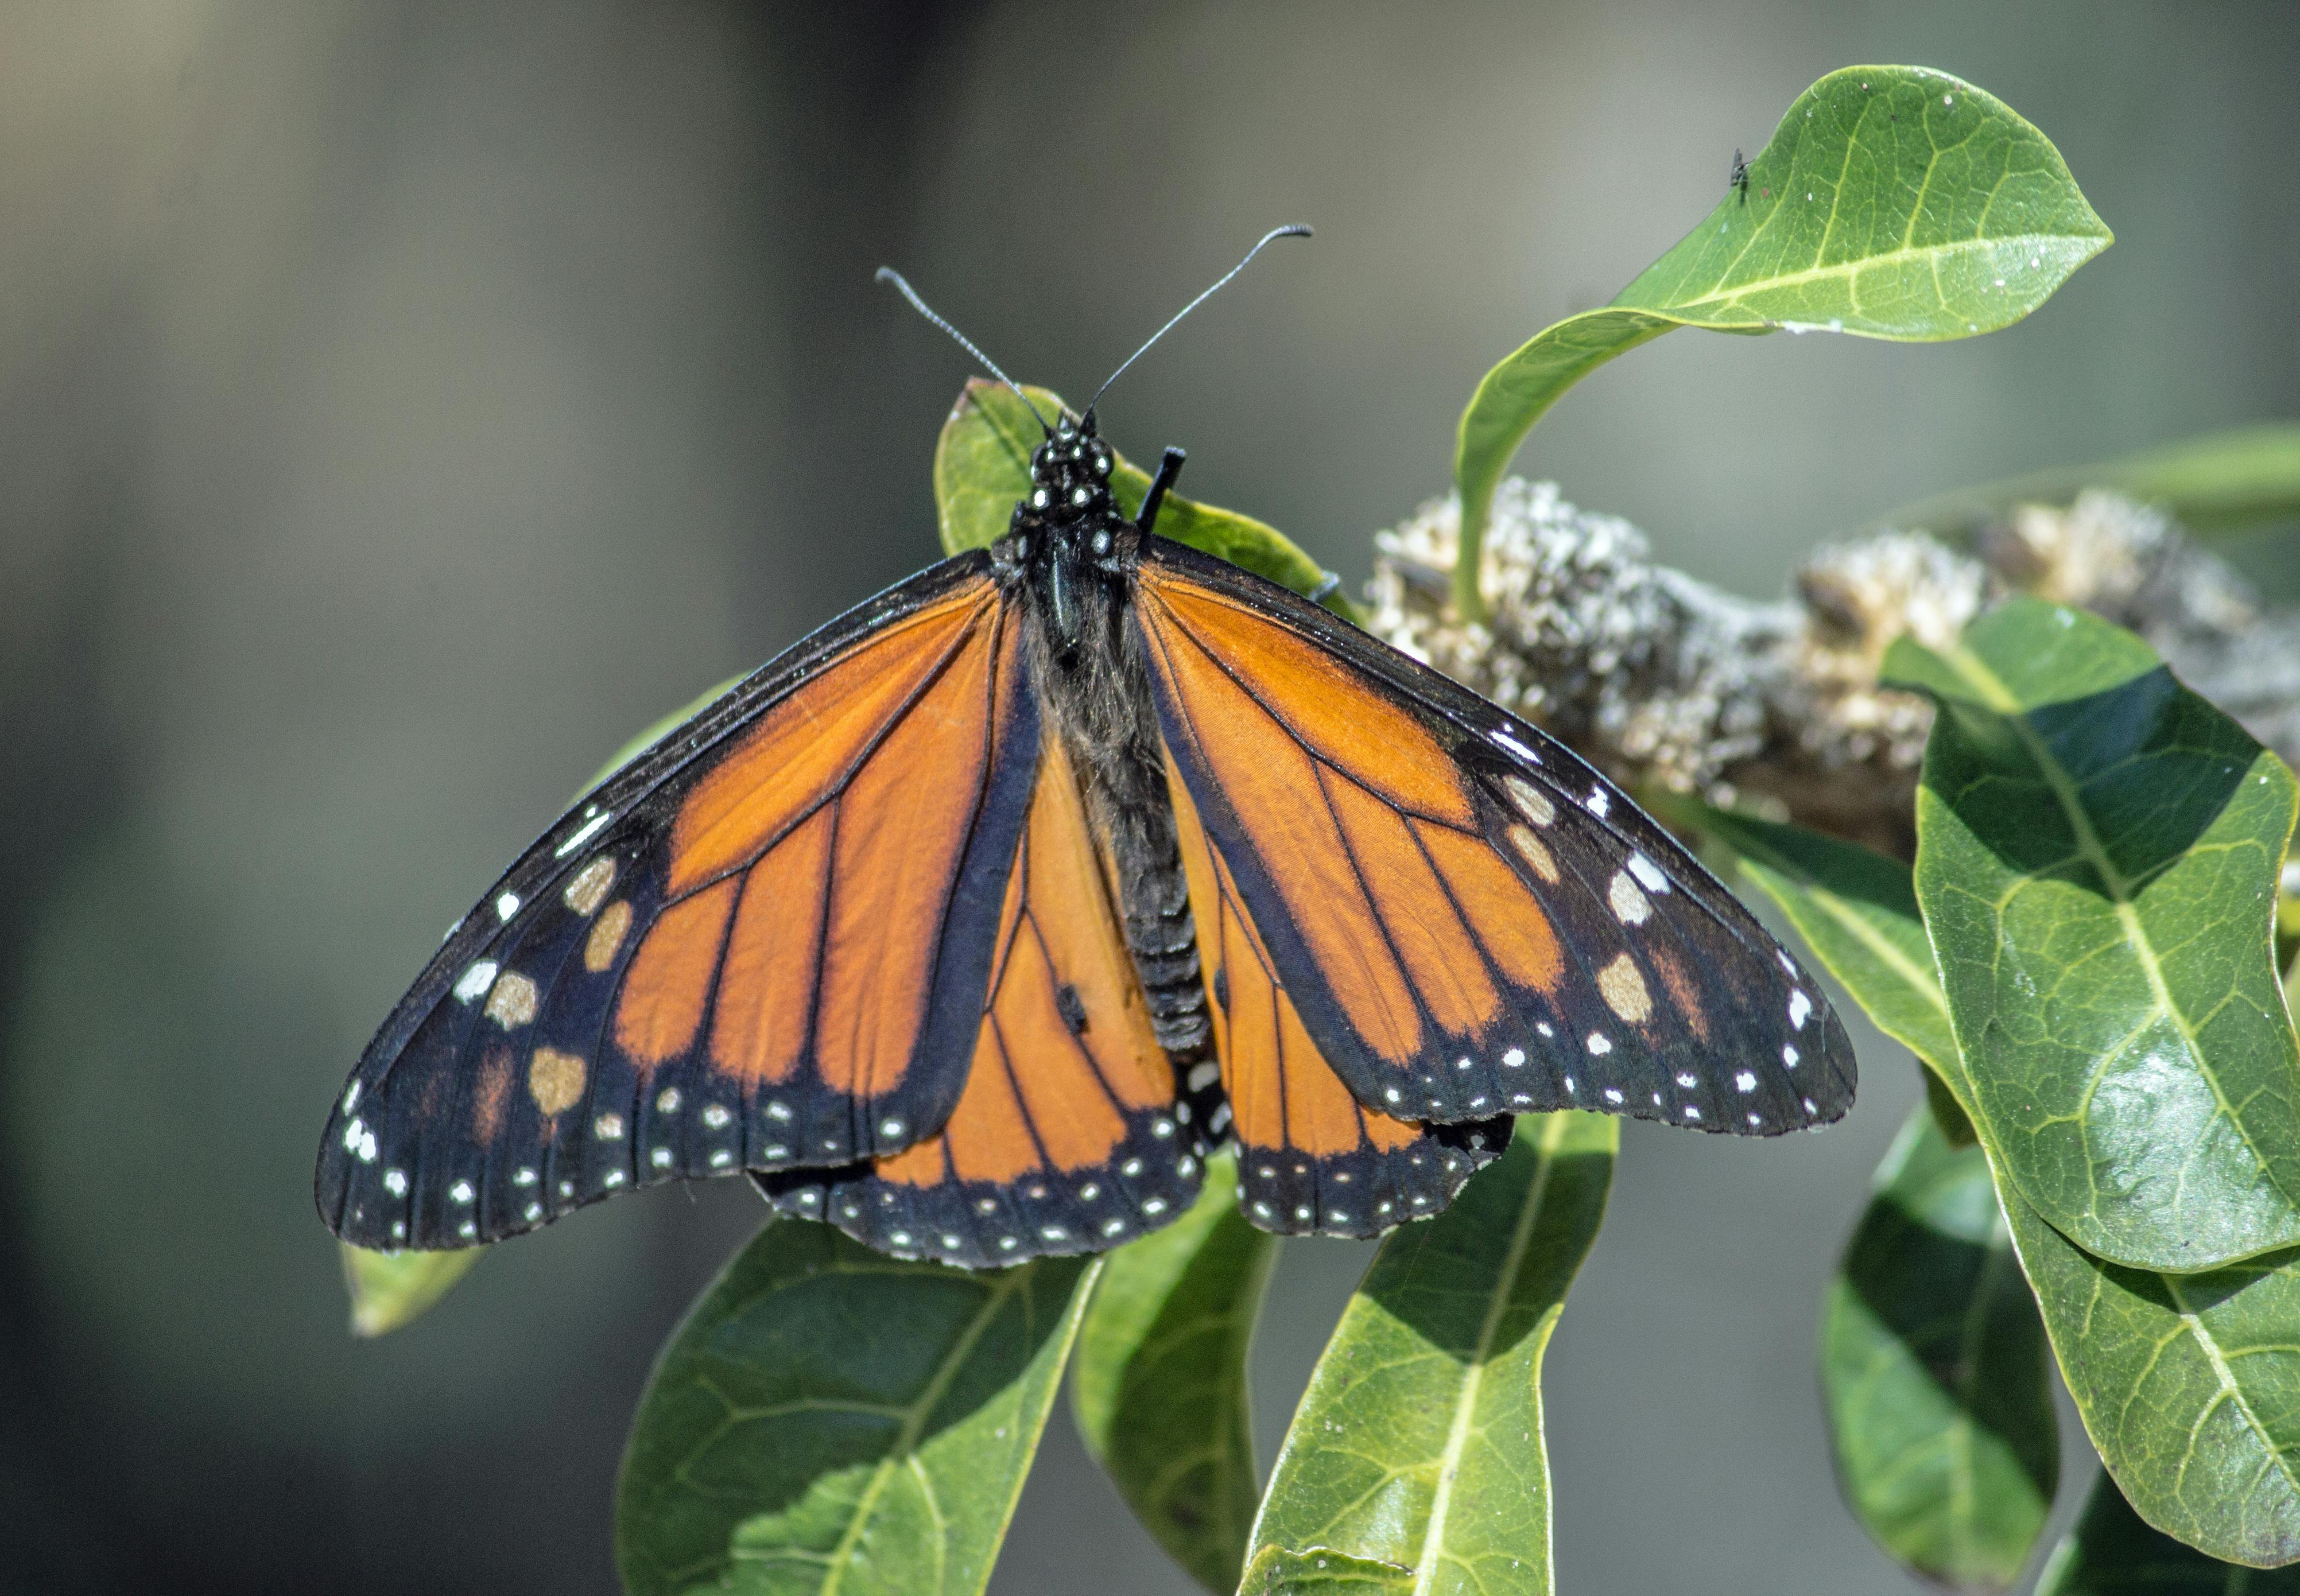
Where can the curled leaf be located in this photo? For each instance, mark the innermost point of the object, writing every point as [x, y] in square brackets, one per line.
[1892, 202]
[982, 467]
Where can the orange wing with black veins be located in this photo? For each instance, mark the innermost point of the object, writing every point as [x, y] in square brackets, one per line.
[1069, 1137]
[764, 946]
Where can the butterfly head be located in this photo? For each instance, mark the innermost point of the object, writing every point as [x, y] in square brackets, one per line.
[1069, 473]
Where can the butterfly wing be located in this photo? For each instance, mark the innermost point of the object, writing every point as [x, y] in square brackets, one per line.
[1312, 1159]
[1468, 919]
[1069, 1137]
[763, 944]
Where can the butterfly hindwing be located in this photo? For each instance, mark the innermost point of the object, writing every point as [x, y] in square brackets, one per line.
[763, 945]
[1468, 919]
[1069, 1137]
[1312, 1159]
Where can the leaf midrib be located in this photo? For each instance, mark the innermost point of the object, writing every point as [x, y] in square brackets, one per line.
[2230, 1386]
[2000, 698]
[1552, 1132]
[922, 1409]
[1727, 293]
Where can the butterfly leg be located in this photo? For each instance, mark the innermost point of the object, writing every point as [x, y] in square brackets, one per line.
[1168, 469]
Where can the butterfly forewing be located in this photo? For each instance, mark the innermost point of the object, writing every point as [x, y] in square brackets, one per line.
[1468, 919]
[743, 951]
[1069, 1137]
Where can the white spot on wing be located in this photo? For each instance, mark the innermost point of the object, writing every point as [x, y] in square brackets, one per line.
[476, 981]
[1648, 872]
[506, 906]
[1598, 1044]
[1800, 1006]
[1747, 1080]
[1516, 747]
[1598, 803]
[582, 835]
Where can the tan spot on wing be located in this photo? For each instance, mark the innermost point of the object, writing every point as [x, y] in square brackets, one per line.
[1629, 904]
[555, 1080]
[606, 938]
[1624, 989]
[1536, 851]
[512, 1002]
[491, 1095]
[1531, 802]
[589, 890]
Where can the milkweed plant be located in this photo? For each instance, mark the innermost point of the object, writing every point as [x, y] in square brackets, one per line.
[2059, 890]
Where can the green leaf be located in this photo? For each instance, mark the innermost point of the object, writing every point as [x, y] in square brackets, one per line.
[1857, 912]
[982, 466]
[2113, 1552]
[389, 1290]
[1278, 1572]
[1893, 202]
[1932, 1367]
[2189, 1385]
[2218, 481]
[1418, 1443]
[2097, 852]
[1158, 1385]
[828, 1419]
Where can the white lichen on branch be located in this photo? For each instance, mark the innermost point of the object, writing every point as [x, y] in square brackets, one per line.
[1661, 679]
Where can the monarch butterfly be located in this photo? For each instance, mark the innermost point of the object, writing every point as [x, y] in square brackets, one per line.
[976, 920]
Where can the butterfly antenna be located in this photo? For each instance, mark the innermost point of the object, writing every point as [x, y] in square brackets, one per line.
[888, 274]
[1295, 231]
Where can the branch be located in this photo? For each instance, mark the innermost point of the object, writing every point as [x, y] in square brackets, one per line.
[1662, 679]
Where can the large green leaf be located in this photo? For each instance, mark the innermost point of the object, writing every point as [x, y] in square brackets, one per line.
[982, 466]
[2097, 853]
[1857, 912]
[830, 1420]
[1418, 1443]
[1893, 202]
[2212, 482]
[2189, 1385]
[2112, 1552]
[1933, 1369]
[1159, 1385]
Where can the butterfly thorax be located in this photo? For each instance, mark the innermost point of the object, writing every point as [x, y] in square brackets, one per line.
[1068, 560]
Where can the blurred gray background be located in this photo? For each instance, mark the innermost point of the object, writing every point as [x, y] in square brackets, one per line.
[400, 406]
